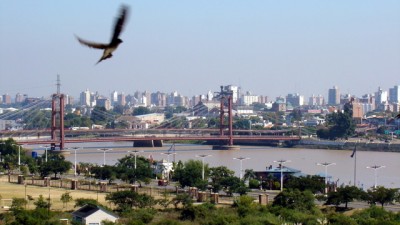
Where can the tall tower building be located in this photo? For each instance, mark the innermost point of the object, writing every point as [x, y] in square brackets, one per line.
[121, 99]
[6, 99]
[334, 96]
[114, 97]
[159, 99]
[19, 98]
[394, 94]
[381, 96]
[84, 98]
[295, 100]
[210, 96]
[316, 100]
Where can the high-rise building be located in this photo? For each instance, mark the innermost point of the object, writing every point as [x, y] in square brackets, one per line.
[147, 96]
[334, 96]
[199, 98]
[394, 94]
[316, 100]
[104, 102]
[19, 98]
[248, 99]
[210, 96]
[70, 100]
[84, 98]
[121, 99]
[114, 97]
[368, 102]
[159, 99]
[262, 99]
[295, 100]
[381, 98]
[235, 92]
[6, 99]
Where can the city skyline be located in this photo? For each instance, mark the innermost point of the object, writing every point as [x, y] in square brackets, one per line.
[266, 47]
[391, 95]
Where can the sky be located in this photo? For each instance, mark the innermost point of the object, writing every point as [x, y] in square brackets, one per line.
[267, 47]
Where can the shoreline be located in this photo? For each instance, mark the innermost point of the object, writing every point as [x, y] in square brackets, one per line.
[348, 145]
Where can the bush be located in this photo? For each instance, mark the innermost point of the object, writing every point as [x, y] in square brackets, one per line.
[254, 184]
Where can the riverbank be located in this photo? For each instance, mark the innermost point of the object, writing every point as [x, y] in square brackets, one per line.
[349, 145]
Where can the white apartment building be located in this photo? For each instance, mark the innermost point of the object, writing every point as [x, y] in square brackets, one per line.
[84, 98]
[248, 99]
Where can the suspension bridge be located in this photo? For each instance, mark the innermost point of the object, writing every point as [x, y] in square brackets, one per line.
[57, 136]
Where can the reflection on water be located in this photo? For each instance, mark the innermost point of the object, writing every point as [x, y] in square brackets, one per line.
[260, 157]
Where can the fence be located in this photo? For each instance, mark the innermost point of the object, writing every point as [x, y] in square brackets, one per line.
[105, 187]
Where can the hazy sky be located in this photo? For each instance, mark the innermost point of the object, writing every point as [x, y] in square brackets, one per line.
[268, 47]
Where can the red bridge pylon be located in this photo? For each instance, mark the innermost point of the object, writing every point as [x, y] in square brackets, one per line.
[57, 121]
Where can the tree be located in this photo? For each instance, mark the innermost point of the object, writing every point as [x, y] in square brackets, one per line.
[294, 199]
[119, 109]
[184, 199]
[126, 200]
[249, 174]
[232, 184]
[79, 202]
[37, 119]
[180, 109]
[41, 203]
[56, 163]
[314, 184]
[245, 205]
[99, 115]
[189, 174]
[18, 204]
[296, 115]
[218, 176]
[340, 125]
[258, 106]
[126, 169]
[381, 195]
[344, 195]
[140, 111]
[65, 198]
[105, 172]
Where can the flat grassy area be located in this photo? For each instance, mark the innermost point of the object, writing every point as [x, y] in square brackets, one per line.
[11, 190]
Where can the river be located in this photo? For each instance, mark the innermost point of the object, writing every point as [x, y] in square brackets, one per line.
[260, 157]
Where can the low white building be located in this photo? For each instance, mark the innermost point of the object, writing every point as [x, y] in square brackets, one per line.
[93, 215]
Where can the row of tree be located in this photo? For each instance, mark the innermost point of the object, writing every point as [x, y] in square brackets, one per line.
[290, 206]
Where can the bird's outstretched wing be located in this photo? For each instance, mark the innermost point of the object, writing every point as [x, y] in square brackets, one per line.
[91, 44]
[119, 23]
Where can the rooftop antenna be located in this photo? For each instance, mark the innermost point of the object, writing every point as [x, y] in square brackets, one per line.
[58, 84]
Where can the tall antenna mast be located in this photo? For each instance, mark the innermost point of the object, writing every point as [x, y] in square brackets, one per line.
[58, 84]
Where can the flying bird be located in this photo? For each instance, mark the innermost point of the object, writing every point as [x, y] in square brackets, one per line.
[115, 41]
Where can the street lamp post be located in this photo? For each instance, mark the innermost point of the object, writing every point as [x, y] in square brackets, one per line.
[241, 158]
[281, 162]
[168, 154]
[375, 173]
[135, 153]
[104, 154]
[75, 148]
[19, 156]
[202, 163]
[326, 164]
[45, 150]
